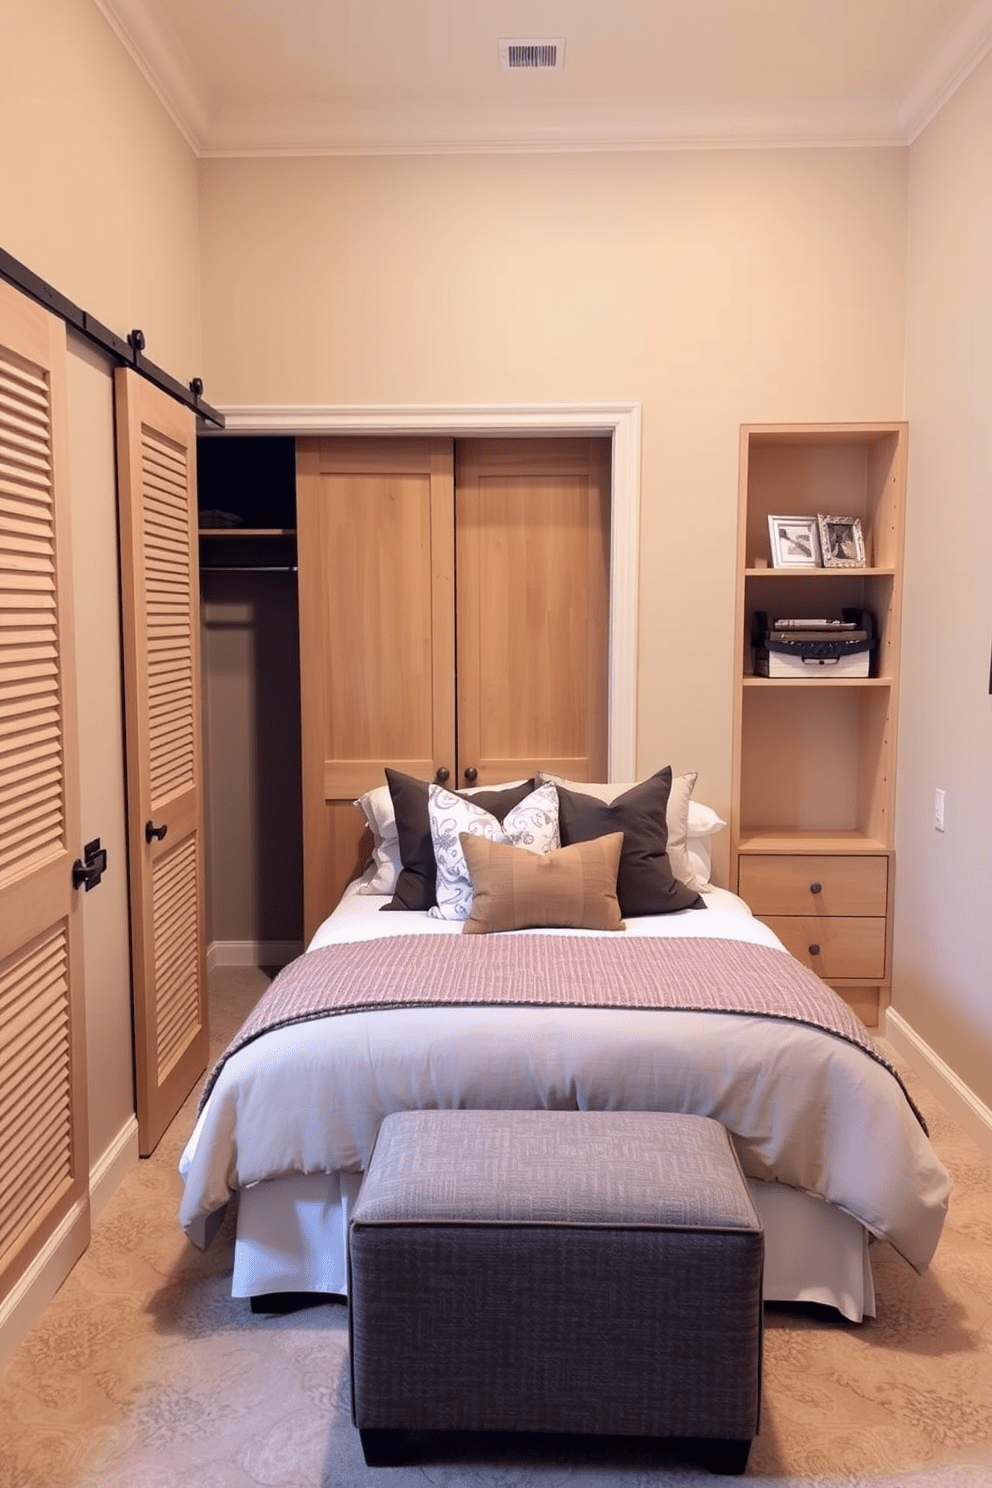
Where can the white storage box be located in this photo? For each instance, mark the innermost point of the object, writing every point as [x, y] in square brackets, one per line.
[814, 648]
[770, 661]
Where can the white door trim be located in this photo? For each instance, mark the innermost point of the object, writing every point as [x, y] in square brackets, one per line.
[621, 421]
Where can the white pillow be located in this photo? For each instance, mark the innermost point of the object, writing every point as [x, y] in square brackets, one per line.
[379, 813]
[532, 824]
[676, 814]
[703, 820]
[703, 824]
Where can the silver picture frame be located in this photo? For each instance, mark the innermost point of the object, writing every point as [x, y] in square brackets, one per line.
[842, 543]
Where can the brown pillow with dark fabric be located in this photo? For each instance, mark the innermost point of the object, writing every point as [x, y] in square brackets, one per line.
[646, 884]
[416, 885]
[573, 888]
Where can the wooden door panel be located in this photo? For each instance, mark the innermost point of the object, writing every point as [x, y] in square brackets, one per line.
[375, 544]
[532, 523]
[156, 438]
[44, 1175]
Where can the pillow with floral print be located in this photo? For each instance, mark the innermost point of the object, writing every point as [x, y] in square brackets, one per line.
[531, 824]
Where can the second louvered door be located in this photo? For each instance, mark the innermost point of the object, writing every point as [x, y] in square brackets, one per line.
[156, 455]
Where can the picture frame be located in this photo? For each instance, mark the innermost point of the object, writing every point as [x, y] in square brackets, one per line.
[841, 541]
[795, 541]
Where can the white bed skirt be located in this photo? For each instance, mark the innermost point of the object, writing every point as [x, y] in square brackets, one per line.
[292, 1236]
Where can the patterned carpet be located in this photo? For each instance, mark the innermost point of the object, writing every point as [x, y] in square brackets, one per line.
[145, 1373]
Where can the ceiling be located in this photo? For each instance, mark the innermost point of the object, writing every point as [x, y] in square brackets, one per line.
[280, 77]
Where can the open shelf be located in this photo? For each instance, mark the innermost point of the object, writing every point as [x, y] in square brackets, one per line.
[814, 756]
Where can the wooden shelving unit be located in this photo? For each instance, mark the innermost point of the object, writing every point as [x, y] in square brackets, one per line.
[814, 759]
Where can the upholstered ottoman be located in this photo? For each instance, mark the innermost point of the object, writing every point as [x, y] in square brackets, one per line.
[566, 1271]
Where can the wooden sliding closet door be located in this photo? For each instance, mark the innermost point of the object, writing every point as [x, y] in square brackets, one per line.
[157, 489]
[406, 543]
[376, 582]
[44, 1174]
[532, 518]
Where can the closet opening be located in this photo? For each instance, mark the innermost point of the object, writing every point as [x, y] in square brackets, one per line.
[251, 678]
[246, 497]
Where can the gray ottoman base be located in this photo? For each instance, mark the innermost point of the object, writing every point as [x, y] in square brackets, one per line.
[568, 1272]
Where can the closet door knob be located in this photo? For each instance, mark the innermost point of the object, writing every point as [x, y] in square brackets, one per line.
[814, 949]
[816, 888]
[442, 775]
[471, 773]
[152, 831]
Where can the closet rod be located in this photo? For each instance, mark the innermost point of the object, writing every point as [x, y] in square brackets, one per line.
[248, 568]
[129, 353]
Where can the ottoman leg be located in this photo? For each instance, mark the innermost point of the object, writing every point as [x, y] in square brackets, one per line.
[383, 1447]
[724, 1456]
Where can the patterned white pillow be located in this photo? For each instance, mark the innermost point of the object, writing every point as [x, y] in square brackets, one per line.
[532, 824]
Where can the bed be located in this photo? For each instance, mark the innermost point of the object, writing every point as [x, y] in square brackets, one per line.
[690, 1009]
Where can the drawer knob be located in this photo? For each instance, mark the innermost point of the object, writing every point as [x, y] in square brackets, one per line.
[816, 888]
[814, 949]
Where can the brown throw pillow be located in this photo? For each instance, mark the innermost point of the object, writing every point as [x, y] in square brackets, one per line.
[416, 885]
[573, 888]
[646, 884]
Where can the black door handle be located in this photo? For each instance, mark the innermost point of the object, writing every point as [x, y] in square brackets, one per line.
[152, 831]
[442, 775]
[471, 774]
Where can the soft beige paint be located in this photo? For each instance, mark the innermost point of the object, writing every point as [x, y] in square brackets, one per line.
[97, 187]
[712, 288]
[106, 952]
[943, 983]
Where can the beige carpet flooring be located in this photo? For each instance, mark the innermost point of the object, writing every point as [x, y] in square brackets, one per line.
[145, 1373]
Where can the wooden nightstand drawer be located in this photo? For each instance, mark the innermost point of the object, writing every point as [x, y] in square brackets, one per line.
[841, 946]
[794, 884]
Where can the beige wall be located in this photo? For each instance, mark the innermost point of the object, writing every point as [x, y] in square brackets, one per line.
[97, 187]
[943, 970]
[713, 288]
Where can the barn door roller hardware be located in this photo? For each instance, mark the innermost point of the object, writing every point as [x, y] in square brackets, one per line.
[88, 870]
[128, 353]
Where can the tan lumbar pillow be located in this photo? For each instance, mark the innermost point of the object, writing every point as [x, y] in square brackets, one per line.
[574, 888]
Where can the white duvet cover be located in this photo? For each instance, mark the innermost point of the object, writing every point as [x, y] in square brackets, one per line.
[805, 1108]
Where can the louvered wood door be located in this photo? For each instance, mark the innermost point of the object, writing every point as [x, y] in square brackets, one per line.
[532, 518]
[376, 576]
[157, 491]
[44, 1178]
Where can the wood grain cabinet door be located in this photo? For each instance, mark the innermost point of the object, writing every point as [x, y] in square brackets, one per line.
[453, 619]
[532, 518]
[44, 1170]
[161, 628]
[377, 635]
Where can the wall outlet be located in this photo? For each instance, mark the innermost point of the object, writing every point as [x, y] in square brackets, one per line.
[938, 810]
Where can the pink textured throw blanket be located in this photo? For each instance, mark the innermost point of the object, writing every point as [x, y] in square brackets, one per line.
[691, 975]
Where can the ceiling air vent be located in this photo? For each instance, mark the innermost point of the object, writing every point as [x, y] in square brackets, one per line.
[547, 54]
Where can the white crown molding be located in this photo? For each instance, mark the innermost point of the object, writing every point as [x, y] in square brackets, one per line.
[158, 55]
[621, 421]
[310, 131]
[965, 48]
[566, 128]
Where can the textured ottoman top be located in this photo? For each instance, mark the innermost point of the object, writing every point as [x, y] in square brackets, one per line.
[612, 1168]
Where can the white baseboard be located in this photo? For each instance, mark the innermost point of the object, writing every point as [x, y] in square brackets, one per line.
[24, 1304]
[252, 952]
[960, 1100]
[112, 1167]
[34, 1289]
